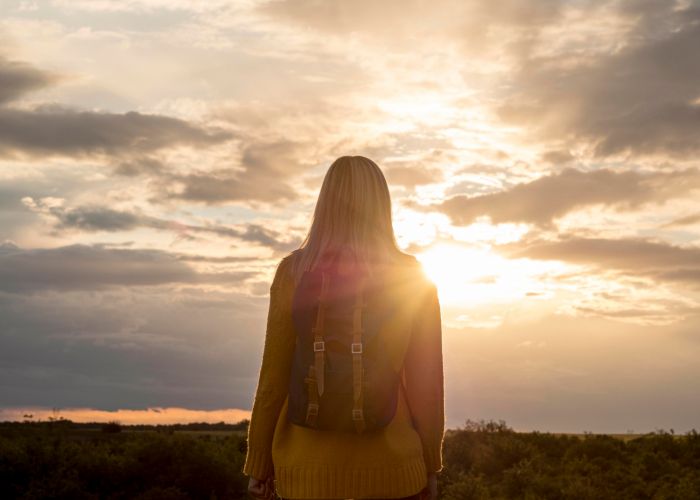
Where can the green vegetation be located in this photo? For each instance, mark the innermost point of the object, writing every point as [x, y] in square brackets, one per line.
[488, 460]
[483, 460]
[65, 460]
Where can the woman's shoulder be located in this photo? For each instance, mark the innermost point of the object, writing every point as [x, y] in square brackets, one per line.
[409, 260]
[290, 257]
[408, 273]
[284, 270]
[288, 262]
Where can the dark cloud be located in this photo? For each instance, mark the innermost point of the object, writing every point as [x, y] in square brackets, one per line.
[53, 129]
[57, 130]
[551, 196]
[7, 247]
[686, 275]
[267, 165]
[133, 167]
[558, 156]
[268, 237]
[636, 256]
[640, 98]
[217, 260]
[130, 348]
[96, 218]
[126, 140]
[57, 181]
[93, 267]
[18, 78]
[99, 218]
[683, 221]
[223, 186]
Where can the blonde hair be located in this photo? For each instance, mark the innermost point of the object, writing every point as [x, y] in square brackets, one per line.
[353, 212]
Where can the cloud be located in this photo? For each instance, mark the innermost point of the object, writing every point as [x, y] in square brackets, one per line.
[683, 221]
[143, 6]
[53, 129]
[579, 373]
[131, 142]
[131, 347]
[217, 260]
[139, 165]
[636, 256]
[94, 267]
[97, 218]
[542, 200]
[411, 176]
[94, 218]
[634, 91]
[558, 157]
[639, 97]
[18, 78]
[399, 22]
[267, 165]
[224, 185]
[57, 130]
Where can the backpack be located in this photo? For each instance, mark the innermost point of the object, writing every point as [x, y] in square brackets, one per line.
[341, 376]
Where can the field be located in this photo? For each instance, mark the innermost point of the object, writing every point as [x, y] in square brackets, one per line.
[482, 460]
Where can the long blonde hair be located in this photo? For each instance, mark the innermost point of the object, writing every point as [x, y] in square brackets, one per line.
[353, 212]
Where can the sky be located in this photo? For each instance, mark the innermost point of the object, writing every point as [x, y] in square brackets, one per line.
[159, 157]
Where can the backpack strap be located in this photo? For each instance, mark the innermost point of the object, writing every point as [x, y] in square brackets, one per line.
[356, 349]
[319, 344]
[312, 406]
[315, 379]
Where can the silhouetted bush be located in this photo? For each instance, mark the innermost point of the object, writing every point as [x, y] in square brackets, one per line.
[111, 427]
[488, 460]
[483, 461]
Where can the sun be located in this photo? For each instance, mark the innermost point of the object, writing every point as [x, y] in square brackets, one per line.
[455, 269]
[472, 276]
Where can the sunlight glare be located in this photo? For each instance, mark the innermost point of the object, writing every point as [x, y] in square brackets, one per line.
[476, 276]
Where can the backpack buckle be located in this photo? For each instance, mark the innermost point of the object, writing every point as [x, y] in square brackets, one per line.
[356, 347]
[319, 346]
[312, 409]
[357, 414]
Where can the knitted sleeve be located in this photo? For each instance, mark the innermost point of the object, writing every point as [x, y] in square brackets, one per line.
[424, 380]
[275, 370]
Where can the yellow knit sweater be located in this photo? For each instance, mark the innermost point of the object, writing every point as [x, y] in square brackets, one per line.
[390, 462]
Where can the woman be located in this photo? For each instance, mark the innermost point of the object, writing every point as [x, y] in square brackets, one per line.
[352, 225]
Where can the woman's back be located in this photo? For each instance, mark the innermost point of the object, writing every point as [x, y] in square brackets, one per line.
[393, 461]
